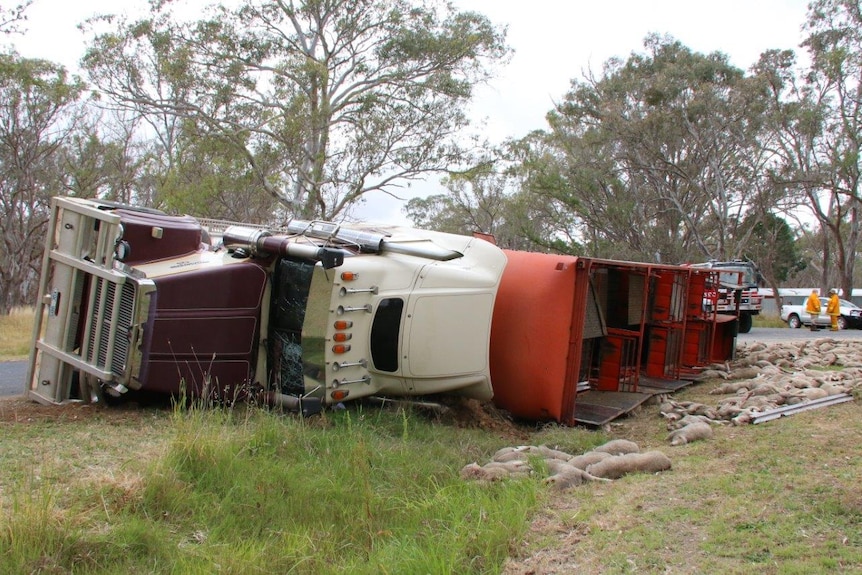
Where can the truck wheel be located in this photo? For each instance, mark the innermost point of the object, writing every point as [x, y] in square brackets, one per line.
[794, 321]
[745, 323]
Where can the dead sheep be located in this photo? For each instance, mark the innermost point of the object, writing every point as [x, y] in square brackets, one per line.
[730, 387]
[765, 389]
[520, 453]
[691, 432]
[585, 460]
[833, 388]
[512, 468]
[813, 393]
[525, 452]
[689, 419]
[619, 465]
[758, 402]
[743, 418]
[478, 473]
[729, 411]
[571, 477]
[743, 373]
[618, 447]
[548, 452]
[711, 374]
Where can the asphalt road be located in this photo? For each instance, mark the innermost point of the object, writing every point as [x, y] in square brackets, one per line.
[14, 373]
[12, 377]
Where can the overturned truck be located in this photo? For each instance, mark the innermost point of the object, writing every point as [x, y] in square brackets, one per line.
[136, 300]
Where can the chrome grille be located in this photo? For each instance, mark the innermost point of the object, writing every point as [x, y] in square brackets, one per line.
[125, 319]
[108, 325]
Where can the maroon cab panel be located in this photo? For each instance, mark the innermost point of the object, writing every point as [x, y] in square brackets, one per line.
[205, 329]
[156, 237]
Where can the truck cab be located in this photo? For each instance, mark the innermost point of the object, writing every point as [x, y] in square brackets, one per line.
[736, 290]
[308, 316]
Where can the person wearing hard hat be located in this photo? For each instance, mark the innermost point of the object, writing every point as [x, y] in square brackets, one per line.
[812, 308]
[833, 308]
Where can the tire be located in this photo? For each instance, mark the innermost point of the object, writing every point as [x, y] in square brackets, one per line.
[842, 322]
[794, 322]
[745, 322]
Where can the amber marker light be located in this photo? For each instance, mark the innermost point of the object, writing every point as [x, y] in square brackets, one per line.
[340, 348]
[349, 276]
[339, 394]
[341, 336]
[342, 324]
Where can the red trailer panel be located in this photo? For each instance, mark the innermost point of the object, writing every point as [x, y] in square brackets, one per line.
[536, 335]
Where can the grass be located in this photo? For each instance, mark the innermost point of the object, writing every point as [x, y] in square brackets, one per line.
[369, 490]
[779, 497]
[374, 490]
[768, 320]
[206, 491]
[16, 333]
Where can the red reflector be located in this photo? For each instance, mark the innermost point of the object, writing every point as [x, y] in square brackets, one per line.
[349, 276]
[341, 336]
[339, 394]
[341, 348]
[343, 324]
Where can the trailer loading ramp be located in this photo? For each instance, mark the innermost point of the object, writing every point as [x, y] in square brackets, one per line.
[600, 407]
[654, 385]
[596, 407]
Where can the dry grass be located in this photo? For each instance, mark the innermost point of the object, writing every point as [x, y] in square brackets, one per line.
[778, 497]
[16, 333]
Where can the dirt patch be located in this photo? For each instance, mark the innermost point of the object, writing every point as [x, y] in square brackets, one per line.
[473, 414]
[458, 412]
[19, 409]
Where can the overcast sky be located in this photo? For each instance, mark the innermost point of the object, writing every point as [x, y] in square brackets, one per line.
[554, 41]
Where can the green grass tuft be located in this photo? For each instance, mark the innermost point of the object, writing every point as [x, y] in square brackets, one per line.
[248, 491]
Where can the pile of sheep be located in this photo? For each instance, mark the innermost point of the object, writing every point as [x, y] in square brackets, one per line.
[762, 378]
[768, 376]
[562, 470]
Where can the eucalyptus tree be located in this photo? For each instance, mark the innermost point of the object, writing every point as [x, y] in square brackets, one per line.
[351, 95]
[38, 112]
[483, 199]
[833, 91]
[12, 17]
[211, 177]
[658, 157]
[775, 250]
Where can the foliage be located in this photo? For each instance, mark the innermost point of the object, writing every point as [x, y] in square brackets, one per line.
[351, 96]
[483, 199]
[814, 119]
[773, 248]
[658, 159]
[38, 114]
[12, 18]
[210, 177]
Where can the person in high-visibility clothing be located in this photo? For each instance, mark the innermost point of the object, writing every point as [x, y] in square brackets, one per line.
[812, 308]
[833, 308]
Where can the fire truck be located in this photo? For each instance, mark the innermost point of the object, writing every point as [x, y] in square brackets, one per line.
[735, 291]
[137, 301]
